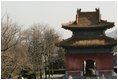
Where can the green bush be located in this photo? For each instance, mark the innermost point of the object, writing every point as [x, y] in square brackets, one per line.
[56, 71]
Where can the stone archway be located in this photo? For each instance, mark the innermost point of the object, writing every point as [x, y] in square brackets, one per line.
[89, 68]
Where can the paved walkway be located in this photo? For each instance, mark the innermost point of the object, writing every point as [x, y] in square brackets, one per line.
[56, 76]
[62, 76]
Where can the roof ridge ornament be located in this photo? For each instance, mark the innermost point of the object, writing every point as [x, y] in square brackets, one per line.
[97, 9]
[98, 14]
[78, 10]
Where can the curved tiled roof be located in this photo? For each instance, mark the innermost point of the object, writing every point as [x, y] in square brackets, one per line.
[88, 20]
[102, 24]
[85, 20]
[87, 41]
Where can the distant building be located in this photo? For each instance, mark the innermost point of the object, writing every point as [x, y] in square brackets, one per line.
[89, 52]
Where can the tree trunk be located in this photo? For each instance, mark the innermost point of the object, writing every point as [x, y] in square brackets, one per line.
[40, 74]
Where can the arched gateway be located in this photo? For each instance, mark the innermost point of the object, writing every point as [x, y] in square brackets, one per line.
[89, 68]
[89, 51]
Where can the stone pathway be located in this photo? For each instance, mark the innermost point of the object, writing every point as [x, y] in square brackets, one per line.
[57, 76]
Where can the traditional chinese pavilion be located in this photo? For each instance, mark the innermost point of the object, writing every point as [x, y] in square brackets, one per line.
[89, 52]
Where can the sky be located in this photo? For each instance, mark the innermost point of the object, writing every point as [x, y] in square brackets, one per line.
[27, 13]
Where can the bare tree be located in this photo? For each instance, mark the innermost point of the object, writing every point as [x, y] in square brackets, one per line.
[50, 39]
[42, 47]
[33, 48]
[36, 48]
[9, 33]
[9, 39]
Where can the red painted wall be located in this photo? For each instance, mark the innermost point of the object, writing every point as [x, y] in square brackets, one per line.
[74, 62]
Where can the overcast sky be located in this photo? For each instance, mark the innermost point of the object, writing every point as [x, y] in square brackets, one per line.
[55, 13]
